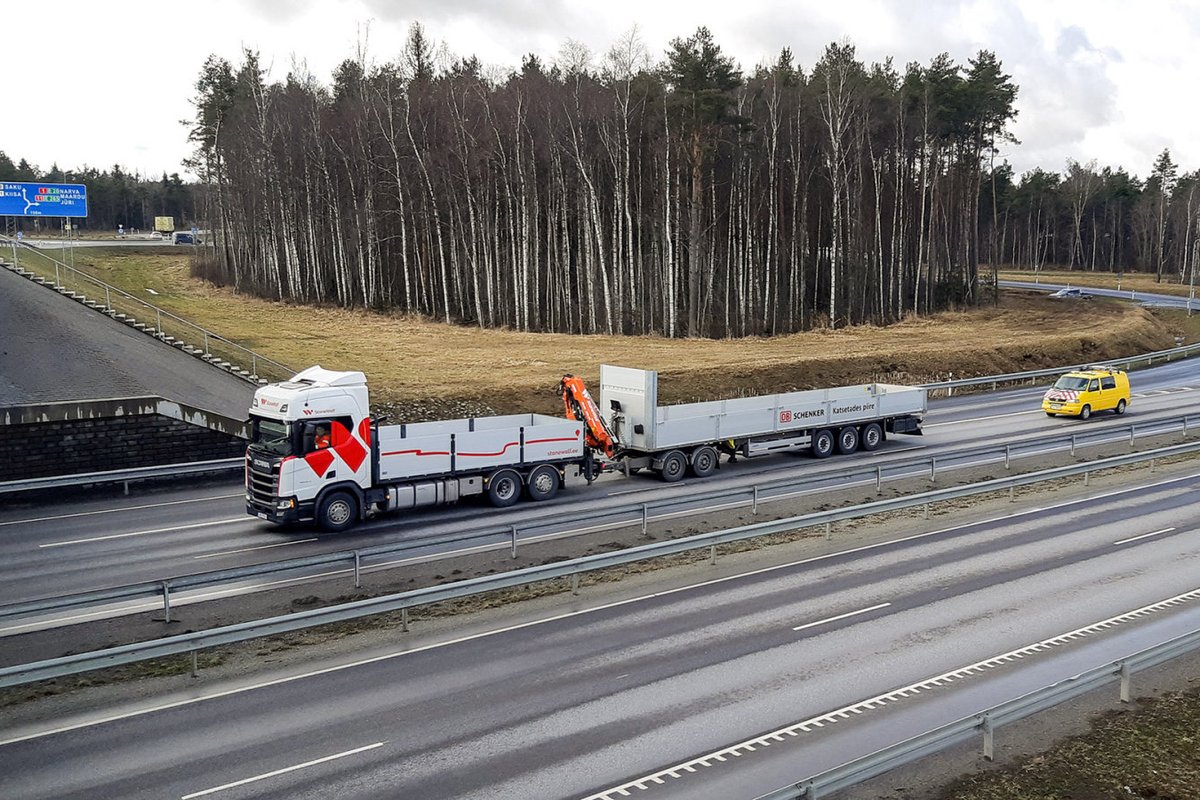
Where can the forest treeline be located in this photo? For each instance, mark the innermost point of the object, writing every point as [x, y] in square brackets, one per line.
[115, 197]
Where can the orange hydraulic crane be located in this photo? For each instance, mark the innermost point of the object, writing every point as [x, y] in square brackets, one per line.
[581, 407]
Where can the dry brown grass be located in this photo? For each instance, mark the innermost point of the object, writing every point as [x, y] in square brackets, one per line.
[413, 360]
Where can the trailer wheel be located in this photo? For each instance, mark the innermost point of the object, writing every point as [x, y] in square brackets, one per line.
[674, 464]
[543, 483]
[847, 441]
[704, 461]
[871, 436]
[823, 443]
[338, 512]
[504, 488]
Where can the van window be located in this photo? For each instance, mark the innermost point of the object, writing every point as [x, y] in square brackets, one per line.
[1094, 385]
[1108, 382]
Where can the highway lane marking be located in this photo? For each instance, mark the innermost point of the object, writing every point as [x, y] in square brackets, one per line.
[116, 510]
[841, 616]
[981, 419]
[554, 618]
[283, 771]
[252, 549]
[110, 536]
[1144, 536]
[892, 696]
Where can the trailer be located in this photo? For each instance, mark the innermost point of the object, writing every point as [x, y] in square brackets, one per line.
[316, 453]
[675, 438]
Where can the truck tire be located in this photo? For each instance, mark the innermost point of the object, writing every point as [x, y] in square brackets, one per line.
[847, 440]
[871, 437]
[823, 443]
[1085, 412]
[543, 483]
[337, 512]
[705, 461]
[1120, 409]
[504, 488]
[674, 465]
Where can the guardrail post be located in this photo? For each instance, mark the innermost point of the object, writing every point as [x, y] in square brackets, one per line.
[645, 518]
[754, 501]
[253, 365]
[1085, 478]
[575, 584]
[989, 737]
[195, 665]
[1131, 427]
[513, 533]
[158, 325]
[357, 571]
[926, 512]
[126, 488]
[828, 531]
[712, 555]
[1125, 682]
[206, 343]
[1007, 454]
[1185, 431]
[1072, 445]
[933, 470]
[1012, 494]
[107, 298]
[1152, 465]
[166, 593]
[878, 480]
[404, 620]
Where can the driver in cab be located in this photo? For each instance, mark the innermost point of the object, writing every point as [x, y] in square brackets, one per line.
[321, 437]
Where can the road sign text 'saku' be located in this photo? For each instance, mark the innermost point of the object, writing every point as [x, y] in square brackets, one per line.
[42, 199]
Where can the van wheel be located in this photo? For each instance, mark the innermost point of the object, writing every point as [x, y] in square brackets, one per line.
[1051, 414]
[871, 437]
[1085, 412]
[504, 488]
[847, 441]
[1120, 409]
[674, 464]
[543, 483]
[823, 443]
[704, 461]
[338, 512]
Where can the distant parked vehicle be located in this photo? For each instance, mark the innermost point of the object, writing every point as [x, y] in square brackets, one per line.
[1071, 293]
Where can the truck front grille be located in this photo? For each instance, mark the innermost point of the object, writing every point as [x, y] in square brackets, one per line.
[262, 485]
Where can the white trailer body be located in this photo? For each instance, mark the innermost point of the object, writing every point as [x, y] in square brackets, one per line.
[752, 425]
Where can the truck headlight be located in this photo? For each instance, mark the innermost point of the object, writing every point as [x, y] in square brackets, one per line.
[284, 505]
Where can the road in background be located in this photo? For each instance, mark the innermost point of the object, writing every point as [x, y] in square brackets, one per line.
[52, 349]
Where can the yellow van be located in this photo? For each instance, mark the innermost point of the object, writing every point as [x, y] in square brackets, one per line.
[1082, 392]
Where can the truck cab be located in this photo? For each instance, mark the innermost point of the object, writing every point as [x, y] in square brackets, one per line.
[310, 447]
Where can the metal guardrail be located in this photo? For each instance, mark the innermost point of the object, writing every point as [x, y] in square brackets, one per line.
[124, 476]
[215, 346]
[190, 643]
[616, 517]
[986, 722]
[1185, 351]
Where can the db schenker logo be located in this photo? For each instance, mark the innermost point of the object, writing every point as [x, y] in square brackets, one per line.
[785, 416]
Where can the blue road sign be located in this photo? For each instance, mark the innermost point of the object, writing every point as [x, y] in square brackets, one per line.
[43, 199]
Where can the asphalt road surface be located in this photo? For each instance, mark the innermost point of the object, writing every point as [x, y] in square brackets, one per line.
[52, 348]
[822, 659]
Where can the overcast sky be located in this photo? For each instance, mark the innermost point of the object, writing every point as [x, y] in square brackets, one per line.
[92, 83]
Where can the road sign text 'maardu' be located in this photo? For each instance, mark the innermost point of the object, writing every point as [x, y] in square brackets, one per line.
[42, 199]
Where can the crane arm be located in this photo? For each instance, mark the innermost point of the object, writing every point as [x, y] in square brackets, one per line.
[580, 406]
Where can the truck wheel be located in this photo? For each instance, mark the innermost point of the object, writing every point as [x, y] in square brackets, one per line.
[1085, 412]
[338, 512]
[543, 483]
[674, 464]
[1120, 409]
[704, 461]
[847, 441]
[871, 437]
[504, 488]
[823, 443]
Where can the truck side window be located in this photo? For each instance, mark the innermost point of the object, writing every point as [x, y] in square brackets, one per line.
[320, 434]
[1108, 383]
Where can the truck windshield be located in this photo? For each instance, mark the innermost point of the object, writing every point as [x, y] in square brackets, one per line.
[270, 436]
[1070, 382]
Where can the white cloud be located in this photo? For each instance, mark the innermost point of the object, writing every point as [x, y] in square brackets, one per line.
[1100, 79]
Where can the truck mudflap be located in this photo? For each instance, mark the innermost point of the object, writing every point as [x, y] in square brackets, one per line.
[906, 424]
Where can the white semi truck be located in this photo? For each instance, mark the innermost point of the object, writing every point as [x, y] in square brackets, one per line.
[316, 454]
